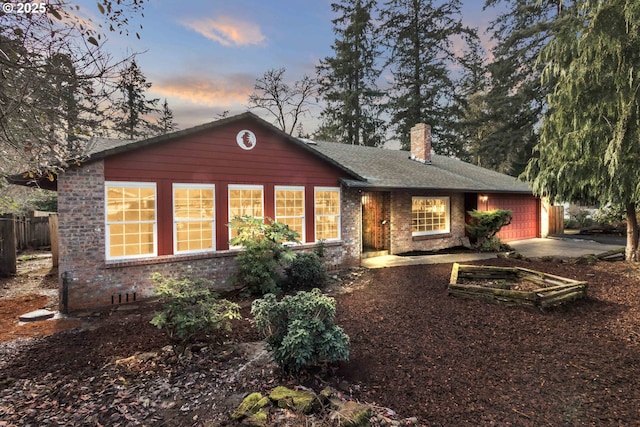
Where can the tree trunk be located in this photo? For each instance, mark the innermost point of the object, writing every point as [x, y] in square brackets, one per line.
[631, 250]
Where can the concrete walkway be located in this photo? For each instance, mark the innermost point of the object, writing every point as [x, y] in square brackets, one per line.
[530, 248]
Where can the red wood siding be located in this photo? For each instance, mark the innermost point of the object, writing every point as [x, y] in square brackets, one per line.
[214, 157]
[526, 215]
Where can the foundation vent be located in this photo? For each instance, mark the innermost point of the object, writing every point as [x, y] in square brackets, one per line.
[123, 298]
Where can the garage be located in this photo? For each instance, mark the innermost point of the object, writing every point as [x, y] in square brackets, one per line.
[526, 215]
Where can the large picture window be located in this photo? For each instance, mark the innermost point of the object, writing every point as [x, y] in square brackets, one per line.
[430, 215]
[289, 208]
[131, 220]
[245, 200]
[327, 213]
[193, 218]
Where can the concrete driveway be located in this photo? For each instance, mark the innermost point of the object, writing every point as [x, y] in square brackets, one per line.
[564, 246]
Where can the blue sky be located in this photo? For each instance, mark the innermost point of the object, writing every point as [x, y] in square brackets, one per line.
[204, 56]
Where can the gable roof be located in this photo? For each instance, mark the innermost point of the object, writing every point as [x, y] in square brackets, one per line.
[364, 167]
[100, 148]
[393, 169]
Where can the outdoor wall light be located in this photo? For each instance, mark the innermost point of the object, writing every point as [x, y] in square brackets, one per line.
[484, 199]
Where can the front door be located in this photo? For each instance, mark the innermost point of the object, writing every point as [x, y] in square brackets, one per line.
[375, 221]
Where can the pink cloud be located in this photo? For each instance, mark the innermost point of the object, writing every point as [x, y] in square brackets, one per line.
[227, 31]
[229, 91]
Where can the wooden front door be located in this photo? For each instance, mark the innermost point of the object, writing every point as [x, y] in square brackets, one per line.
[375, 221]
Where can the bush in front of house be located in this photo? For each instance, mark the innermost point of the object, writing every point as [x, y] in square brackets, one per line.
[306, 271]
[264, 254]
[485, 225]
[191, 311]
[300, 330]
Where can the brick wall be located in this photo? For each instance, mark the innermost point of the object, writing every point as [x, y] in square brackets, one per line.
[401, 237]
[91, 282]
[351, 220]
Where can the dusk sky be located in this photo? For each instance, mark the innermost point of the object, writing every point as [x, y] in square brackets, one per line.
[204, 56]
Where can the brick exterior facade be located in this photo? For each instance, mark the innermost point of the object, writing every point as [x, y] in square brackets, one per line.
[401, 236]
[88, 281]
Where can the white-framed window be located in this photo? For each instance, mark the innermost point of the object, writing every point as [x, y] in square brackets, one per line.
[193, 218]
[245, 200]
[430, 215]
[289, 208]
[131, 220]
[327, 213]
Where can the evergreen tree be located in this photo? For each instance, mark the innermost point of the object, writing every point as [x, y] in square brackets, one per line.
[69, 103]
[516, 101]
[165, 122]
[348, 79]
[420, 36]
[470, 105]
[134, 106]
[590, 137]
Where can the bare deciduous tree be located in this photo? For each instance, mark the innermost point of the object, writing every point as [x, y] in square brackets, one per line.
[286, 103]
[54, 75]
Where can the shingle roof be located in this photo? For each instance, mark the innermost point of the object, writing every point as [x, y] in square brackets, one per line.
[364, 167]
[393, 169]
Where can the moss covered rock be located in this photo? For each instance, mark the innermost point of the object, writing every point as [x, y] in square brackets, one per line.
[254, 408]
[300, 401]
[352, 414]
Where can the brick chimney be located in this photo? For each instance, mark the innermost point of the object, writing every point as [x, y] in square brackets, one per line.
[421, 143]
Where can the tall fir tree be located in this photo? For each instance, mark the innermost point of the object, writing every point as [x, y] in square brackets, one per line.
[165, 121]
[348, 79]
[470, 106]
[590, 137]
[134, 107]
[517, 98]
[420, 35]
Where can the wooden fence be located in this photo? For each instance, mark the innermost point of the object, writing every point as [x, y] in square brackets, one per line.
[556, 219]
[20, 233]
[7, 245]
[32, 233]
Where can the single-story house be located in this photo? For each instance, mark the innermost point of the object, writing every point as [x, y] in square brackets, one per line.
[163, 204]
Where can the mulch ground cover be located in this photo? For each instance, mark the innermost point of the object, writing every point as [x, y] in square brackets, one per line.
[447, 361]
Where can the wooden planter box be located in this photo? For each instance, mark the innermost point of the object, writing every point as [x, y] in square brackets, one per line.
[505, 284]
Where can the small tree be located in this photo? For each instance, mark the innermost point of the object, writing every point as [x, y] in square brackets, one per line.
[300, 330]
[486, 224]
[165, 121]
[264, 252]
[191, 311]
[134, 105]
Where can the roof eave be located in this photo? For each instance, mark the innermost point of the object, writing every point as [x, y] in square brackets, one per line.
[365, 185]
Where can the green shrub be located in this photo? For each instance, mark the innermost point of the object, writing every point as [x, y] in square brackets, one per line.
[571, 224]
[264, 253]
[320, 249]
[190, 311]
[492, 244]
[486, 224]
[300, 330]
[306, 271]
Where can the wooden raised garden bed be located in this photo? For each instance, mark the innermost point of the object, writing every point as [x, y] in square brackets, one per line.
[514, 285]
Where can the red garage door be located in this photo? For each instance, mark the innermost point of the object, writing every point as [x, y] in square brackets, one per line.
[526, 216]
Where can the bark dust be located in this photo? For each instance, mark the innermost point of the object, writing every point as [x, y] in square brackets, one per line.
[444, 360]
